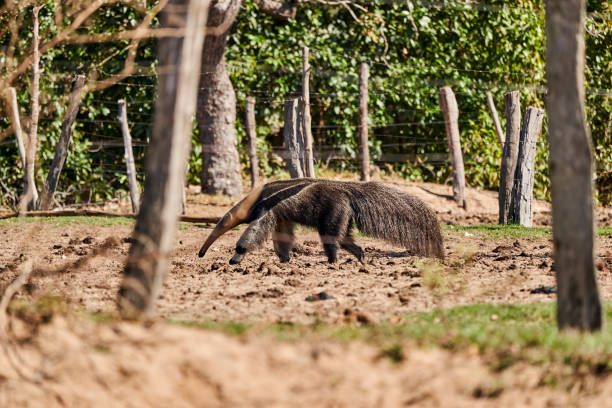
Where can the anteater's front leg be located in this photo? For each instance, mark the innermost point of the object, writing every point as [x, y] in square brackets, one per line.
[254, 236]
[283, 239]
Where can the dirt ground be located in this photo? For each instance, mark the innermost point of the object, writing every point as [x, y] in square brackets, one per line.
[175, 366]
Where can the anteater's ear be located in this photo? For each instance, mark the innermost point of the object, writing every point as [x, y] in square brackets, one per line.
[236, 216]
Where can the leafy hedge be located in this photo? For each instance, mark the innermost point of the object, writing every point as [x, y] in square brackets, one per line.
[496, 47]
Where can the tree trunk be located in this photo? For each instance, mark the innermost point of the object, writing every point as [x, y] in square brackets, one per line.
[498, 129]
[61, 148]
[571, 167]
[16, 122]
[30, 198]
[170, 143]
[216, 112]
[510, 154]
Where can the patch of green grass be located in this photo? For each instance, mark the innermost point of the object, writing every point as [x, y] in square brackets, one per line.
[502, 334]
[512, 231]
[58, 222]
[501, 231]
[605, 232]
[234, 328]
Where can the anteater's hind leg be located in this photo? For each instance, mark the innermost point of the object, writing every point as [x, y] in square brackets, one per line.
[254, 236]
[283, 239]
[332, 230]
[348, 244]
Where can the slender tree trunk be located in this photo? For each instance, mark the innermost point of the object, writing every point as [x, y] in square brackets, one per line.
[30, 198]
[216, 112]
[174, 108]
[498, 129]
[11, 102]
[571, 167]
[61, 148]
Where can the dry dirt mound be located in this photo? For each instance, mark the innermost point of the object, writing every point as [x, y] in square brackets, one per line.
[82, 364]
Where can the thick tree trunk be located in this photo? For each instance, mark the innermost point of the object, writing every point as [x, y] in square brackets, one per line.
[571, 167]
[216, 111]
[174, 108]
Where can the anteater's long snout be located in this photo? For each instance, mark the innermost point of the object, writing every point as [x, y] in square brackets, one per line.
[221, 228]
[237, 215]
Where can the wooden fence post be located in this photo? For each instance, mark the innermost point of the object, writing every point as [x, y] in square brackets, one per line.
[571, 167]
[450, 111]
[293, 139]
[364, 149]
[175, 104]
[306, 118]
[129, 155]
[498, 129]
[61, 148]
[510, 154]
[184, 191]
[522, 192]
[16, 122]
[252, 135]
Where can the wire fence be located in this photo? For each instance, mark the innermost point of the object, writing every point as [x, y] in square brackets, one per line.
[394, 142]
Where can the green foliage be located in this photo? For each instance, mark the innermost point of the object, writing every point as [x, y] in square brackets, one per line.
[473, 49]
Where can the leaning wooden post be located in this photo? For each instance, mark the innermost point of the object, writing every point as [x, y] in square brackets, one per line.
[184, 191]
[306, 118]
[61, 148]
[293, 139]
[29, 200]
[522, 192]
[510, 154]
[498, 129]
[16, 122]
[175, 104]
[364, 149]
[571, 167]
[450, 111]
[129, 155]
[252, 135]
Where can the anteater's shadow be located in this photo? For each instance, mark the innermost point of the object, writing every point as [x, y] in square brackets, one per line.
[390, 254]
[448, 197]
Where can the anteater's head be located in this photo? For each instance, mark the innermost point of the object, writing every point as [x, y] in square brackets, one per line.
[236, 216]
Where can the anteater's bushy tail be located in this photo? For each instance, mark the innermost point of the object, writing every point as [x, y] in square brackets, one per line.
[397, 217]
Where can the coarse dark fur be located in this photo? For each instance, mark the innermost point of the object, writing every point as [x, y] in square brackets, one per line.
[333, 208]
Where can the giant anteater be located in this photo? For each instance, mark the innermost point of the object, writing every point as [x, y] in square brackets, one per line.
[333, 208]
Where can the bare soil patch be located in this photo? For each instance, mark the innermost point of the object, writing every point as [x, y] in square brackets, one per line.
[92, 364]
[82, 364]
